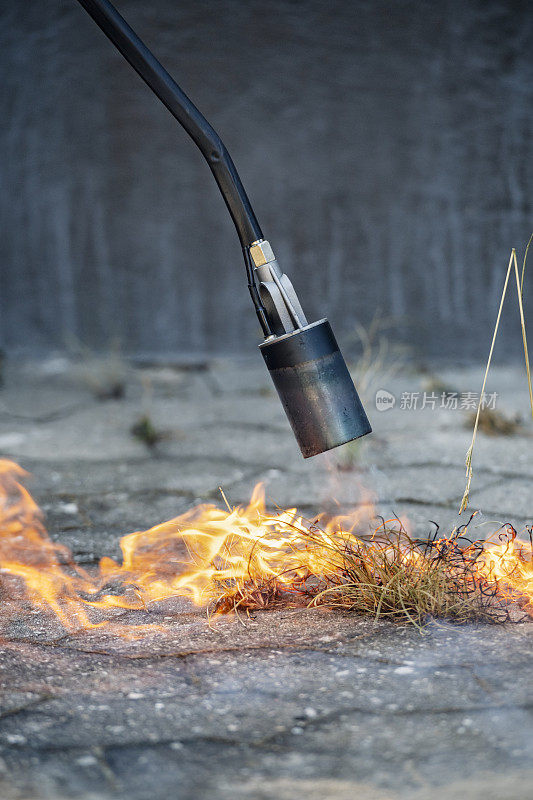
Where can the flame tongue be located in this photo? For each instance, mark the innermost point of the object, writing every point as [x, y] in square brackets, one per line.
[208, 553]
[50, 578]
[203, 555]
[220, 558]
[509, 564]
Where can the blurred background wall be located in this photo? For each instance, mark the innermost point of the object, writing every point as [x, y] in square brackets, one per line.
[386, 146]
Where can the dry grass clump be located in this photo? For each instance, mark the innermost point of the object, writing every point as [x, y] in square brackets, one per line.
[389, 574]
[402, 578]
[495, 423]
[252, 595]
[104, 375]
[379, 357]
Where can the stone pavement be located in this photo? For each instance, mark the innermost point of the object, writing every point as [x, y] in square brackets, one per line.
[293, 703]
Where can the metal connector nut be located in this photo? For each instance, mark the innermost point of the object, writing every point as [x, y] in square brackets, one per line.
[261, 253]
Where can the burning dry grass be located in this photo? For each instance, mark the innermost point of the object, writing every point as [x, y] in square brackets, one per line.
[392, 575]
[413, 580]
[245, 559]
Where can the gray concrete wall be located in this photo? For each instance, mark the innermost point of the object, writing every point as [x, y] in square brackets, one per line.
[386, 146]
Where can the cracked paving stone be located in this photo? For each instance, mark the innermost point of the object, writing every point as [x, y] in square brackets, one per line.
[192, 477]
[274, 697]
[497, 499]
[291, 703]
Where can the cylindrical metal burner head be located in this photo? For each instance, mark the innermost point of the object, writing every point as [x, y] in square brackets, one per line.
[315, 387]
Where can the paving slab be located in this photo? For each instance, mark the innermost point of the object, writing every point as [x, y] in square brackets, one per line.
[289, 703]
[504, 498]
[292, 695]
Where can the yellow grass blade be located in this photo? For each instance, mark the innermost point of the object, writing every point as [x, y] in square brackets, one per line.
[468, 461]
[520, 291]
[519, 288]
[524, 265]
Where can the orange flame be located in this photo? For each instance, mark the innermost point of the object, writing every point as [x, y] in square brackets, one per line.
[203, 555]
[199, 555]
[509, 564]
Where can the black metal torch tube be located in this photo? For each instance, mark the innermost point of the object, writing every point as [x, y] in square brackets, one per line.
[165, 87]
[315, 388]
[304, 360]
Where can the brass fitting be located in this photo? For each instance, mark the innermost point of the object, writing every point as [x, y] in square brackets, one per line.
[261, 253]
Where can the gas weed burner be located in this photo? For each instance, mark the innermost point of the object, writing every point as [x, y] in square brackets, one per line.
[303, 358]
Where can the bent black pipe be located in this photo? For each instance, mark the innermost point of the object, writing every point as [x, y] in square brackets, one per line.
[304, 360]
[174, 98]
